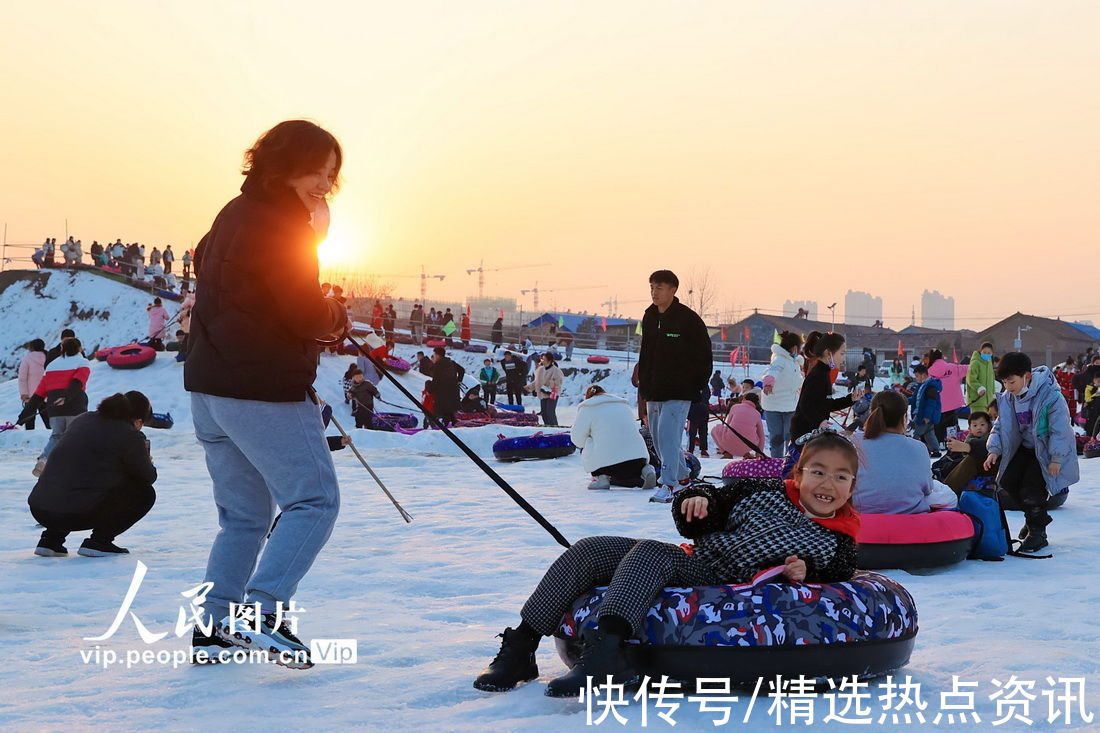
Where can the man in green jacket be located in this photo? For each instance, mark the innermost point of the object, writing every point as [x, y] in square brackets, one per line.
[981, 389]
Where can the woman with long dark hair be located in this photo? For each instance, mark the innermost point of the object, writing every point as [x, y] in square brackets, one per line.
[894, 476]
[816, 402]
[250, 368]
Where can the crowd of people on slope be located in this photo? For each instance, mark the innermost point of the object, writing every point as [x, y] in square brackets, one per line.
[128, 259]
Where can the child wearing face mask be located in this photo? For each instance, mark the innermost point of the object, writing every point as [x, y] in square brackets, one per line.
[1033, 443]
[981, 387]
[803, 529]
[815, 402]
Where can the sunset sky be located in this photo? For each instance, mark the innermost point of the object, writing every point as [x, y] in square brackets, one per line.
[798, 149]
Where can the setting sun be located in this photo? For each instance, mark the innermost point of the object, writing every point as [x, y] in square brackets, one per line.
[341, 248]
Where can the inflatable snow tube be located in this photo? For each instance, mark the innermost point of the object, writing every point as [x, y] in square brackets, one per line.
[102, 354]
[1009, 504]
[477, 348]
[908, 541]
[160, 420]
[532, 447]
[864, 627]
[599, 360]
[753, 468]
[693, 464]
[396, 364]
[388, 420]
[513, 408]
[435, 342]
[133, 356]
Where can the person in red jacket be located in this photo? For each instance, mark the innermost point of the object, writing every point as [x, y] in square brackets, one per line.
[62, 391]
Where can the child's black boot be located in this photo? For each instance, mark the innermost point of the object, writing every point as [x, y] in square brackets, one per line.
[603, 654]
[513, 664]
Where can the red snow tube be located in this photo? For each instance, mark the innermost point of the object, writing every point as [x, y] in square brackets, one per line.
[598, 360]
[907, 541]
[133, 356]
[436, 342]
[102, 354]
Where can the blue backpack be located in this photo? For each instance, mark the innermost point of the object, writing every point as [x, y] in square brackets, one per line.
[992, 540]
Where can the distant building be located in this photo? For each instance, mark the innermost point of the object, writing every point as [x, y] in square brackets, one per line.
[791, 309]
[937, 311]
[1046, 340]
[862, 309]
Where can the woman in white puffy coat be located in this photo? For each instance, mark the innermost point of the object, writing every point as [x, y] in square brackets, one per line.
[612, 449]
[782, 383]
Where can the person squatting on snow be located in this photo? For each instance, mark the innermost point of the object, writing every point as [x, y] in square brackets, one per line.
[547, 386]
[805, 525]
[100, 477]
[782, 383]
[744, 417]
[62, 391]
[31, 368]
[674, 366]
[612, 449]
[250, 370]
[1033, 442]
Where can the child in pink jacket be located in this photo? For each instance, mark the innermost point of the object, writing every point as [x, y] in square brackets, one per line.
[952, 377]
[745, 418]
[31, 368]
[158, 319]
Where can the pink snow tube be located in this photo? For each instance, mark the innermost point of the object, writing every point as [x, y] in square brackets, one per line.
[133, 356]
[754, 468]
[908, 541]
[598, 360]
[435, 342]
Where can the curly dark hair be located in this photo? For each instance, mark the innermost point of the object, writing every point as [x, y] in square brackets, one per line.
[290, 149]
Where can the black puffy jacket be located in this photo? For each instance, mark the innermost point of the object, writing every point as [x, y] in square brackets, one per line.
[94, 456]
[675, 359]
[259, 307]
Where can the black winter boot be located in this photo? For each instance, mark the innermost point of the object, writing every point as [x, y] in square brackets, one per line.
[1036, 539]
[604, 654]
[513, 664]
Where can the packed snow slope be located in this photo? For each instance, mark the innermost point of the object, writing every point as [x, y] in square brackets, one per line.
[424, 600]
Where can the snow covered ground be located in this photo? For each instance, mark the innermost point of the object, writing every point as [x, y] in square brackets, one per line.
[424, 600]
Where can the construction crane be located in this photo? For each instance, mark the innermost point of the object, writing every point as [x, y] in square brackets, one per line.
[535, 290]
[423, 281]
[614, 303]
[481, 270]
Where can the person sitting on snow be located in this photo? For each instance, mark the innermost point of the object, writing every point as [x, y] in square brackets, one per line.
[99, 477]
[803, 529]
[895, 476]
[612, 449]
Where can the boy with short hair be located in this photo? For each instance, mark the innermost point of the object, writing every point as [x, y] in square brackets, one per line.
[926, 409]
[968, 457]
[747, 386]
[1034, 443]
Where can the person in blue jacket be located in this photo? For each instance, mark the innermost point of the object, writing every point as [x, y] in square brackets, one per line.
[1034, 443]
[926, 409]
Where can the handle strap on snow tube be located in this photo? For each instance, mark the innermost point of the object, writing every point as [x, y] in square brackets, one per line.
[497, 478]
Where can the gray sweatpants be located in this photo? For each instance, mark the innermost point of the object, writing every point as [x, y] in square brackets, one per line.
[666, 424]
[261, 455]
[58, 425]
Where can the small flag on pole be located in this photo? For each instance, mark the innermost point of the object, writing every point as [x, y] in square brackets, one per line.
[748, 334]
[954, 355]
[638, 328]
[775, 336]
[723, 333]
[449, 328]
[745, 356]
[468, 311]
[733, 355]
[901, 351]
[561, 321]
[603, 323]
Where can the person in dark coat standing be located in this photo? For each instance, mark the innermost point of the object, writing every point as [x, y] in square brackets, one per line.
[815, 401]
[446, 381]
[515, 377]
[673, 368]
[498, 333]
[55, 351]
[101, 478]
[250, 368]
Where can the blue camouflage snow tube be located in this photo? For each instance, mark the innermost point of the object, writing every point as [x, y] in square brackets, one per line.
[865, 626]
[531, 447]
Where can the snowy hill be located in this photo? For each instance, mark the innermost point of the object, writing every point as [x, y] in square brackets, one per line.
[424, 600]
